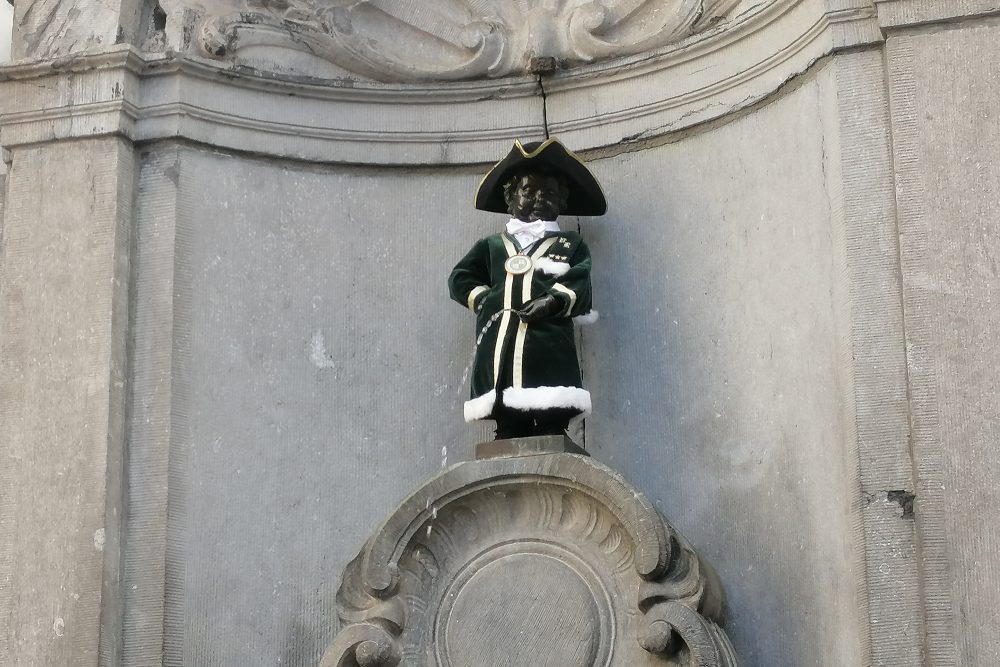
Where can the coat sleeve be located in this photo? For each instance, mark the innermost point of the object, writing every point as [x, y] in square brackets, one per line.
[470, 279]
[572, 289]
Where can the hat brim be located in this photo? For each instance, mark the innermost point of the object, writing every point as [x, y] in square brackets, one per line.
[585, 194]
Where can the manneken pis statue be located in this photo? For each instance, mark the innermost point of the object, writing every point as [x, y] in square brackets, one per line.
[526, 285]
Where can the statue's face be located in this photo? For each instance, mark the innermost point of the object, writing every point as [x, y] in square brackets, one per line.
[536, 197]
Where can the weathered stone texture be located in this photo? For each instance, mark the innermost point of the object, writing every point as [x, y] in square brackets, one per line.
[719, 358]
[413, 40]
[546, 559]
[6, 30]
[156, 419]
[53, 28]
[945, 141]
[312, 334]
[895, 13]
[64, 289]
[867, 291]
[165, 94]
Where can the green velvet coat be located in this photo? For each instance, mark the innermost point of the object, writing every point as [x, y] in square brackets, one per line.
[533, 366]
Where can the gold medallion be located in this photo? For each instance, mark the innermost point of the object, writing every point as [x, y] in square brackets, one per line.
[517, 265]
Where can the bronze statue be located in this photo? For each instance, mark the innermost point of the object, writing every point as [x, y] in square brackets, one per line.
[526, 285]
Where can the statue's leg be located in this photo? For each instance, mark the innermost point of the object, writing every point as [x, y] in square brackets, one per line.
[553, 421]
[513, 423]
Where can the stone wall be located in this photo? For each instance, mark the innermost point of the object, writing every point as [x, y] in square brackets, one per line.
[945, 152]
[6, 29]
[717, 365]
[66, 239]
[306, 356]
[316, 366]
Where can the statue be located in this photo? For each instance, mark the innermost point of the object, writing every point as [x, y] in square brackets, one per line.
[526, 285]
[532, 553]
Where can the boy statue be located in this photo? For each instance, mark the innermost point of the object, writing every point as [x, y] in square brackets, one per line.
[526, 286]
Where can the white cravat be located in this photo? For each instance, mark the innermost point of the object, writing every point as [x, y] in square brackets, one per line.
[529, 233]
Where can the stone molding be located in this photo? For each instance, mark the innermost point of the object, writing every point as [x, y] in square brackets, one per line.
[862, 186]
[542, 555]
[149, 97]
[902, 13]
[416, 40]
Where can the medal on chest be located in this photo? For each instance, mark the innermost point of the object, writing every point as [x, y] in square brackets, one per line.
[517, 265]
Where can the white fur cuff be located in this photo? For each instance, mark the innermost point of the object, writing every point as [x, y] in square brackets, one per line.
[480, 407]
[529, 398]
[540, 398]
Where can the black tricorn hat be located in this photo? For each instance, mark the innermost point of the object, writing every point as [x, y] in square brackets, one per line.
[549, 156]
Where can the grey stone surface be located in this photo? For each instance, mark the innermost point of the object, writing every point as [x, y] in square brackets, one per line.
[173, 94]
[6, 31]
[53, 28]
[709, 79]
[900, 13]
[945, 140]
[529, 560]
[867, 293]
[719, 357]
[157, 432]
[304, 350]
[549, 444]
[411, 40]
[64, 289]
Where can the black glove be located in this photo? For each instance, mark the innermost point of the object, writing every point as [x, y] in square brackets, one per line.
[540, 308]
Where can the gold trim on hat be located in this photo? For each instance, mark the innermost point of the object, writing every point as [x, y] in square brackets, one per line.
[545, 144]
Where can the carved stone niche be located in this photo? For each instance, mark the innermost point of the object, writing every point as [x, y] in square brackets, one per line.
[549, 560]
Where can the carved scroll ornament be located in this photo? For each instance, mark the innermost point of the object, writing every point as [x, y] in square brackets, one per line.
[428, 40]
[548, 560]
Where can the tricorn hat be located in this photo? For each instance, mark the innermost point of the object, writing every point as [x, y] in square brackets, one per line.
[549, 156]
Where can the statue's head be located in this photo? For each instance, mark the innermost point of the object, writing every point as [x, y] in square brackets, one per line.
[536, 195]
[540, 181]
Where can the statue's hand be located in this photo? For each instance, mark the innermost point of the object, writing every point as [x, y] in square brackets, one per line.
[539, 309]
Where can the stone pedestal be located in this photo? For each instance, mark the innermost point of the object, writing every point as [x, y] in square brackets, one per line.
[529, 558]
[545, 444]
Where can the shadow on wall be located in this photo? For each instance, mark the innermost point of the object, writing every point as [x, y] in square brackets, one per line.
[6, 29]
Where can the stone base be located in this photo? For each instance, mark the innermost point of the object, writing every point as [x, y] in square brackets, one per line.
[531, 556]
[541, 444]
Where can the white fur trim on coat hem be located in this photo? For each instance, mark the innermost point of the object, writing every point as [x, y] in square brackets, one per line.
[551, 267]
[540, 398]
[587, 318]
[481, 406]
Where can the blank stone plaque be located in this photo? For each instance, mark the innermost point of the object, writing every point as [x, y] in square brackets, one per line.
[525, 609]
